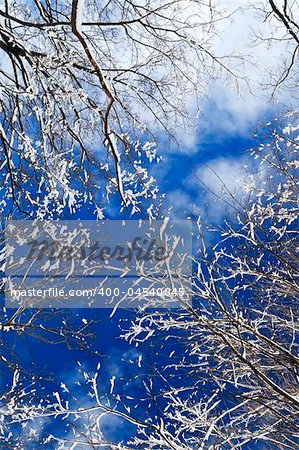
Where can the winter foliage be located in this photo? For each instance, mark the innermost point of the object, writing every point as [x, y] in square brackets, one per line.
[87, 90]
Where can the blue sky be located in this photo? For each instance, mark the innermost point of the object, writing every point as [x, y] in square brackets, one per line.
[223, 148]
[195, 168]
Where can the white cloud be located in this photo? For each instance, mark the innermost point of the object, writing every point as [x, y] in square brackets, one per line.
[232, 108]
[229, 114]
[178, 204]
[224, 184]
